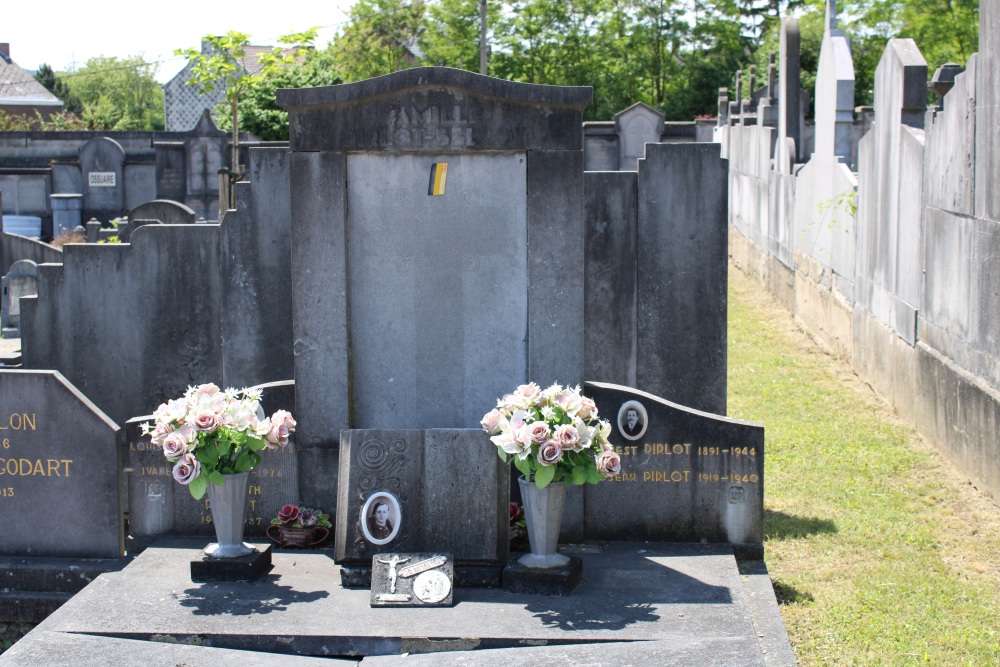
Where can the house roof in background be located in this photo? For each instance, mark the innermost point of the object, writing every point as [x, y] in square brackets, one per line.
[17, 86]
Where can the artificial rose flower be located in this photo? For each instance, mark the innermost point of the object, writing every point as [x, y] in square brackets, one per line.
[208, 388]
[588, 409]
[491, 421]
[608, 463]
[539, 432]
[568, 400]
[530, 392]
[281, 425]
[206, 421]
[549, 453]
[171, 411]
[186, 469]
[567, 436]
[288, 513]
[175, 445]
[515, 512]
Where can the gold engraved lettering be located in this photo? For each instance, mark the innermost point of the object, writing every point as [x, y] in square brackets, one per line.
[6, 444]
[254, 490]
[632, 450]
[29, 468]
[7, 492]
[661, 449]
[20, 421]
[668, 477]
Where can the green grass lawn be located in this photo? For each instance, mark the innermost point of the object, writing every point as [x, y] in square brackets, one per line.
[880, 553]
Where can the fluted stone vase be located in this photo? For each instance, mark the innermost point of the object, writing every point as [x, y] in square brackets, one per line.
[228, 505]
[543, 510]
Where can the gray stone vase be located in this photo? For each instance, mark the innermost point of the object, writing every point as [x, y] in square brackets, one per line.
[543, 510]
[228, 505]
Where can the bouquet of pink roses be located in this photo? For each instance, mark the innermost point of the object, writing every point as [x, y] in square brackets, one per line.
[552, 435]
[208, 433]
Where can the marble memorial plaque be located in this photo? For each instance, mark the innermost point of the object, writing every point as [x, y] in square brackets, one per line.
[412, 580]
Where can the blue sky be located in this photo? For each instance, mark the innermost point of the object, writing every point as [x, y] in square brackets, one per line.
[64, 32]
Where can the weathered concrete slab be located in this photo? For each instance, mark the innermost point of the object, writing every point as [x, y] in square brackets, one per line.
[639, 603]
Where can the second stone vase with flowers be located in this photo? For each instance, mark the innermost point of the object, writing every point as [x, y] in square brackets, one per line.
[554, 438]
[214, 439]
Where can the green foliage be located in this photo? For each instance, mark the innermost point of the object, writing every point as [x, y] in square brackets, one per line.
[226, 67]
[57, 86]
[59, 121]
[258, 108]
[451, 38]
[380, 38]
[117, 93]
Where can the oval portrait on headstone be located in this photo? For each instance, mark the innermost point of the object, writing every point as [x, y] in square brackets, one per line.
[632, 420]
[380, 518]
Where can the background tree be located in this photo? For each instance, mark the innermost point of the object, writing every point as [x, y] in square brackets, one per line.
[117, 93]
[258, 108]
[224, 67]
[451, 35]
[55, 85]
[381, 37]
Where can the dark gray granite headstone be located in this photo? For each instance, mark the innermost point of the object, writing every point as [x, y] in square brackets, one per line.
[171, 171]
[59, 461]
[686, 476]
[102, 162]
[160, 506]
[446, 491]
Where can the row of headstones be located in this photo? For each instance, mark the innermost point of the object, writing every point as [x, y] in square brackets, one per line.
[21, 278]
[70, 474]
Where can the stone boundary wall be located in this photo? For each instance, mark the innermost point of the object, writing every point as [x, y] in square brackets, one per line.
[900, 284]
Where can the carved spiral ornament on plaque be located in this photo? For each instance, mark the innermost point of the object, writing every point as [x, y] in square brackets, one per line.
[379, 462]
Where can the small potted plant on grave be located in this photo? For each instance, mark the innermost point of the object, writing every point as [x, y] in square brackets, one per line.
[554, 438]
[299, 527]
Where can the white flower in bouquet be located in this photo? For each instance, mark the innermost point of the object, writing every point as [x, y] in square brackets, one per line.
[208, 433]
[552, 435]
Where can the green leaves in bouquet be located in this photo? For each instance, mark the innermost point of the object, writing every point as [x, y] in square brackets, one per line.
[544, 476]
[523, 466]
[198, 486]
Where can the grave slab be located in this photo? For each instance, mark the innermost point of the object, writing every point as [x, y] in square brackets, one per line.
[639, 603]
[57, 649]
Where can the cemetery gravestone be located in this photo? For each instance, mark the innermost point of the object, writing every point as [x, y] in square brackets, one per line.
[637, 126]
[160, 506]
[686, 476]
[441, 490]
[59, 463]
[21, 280]
[102, 161]
[171, 174]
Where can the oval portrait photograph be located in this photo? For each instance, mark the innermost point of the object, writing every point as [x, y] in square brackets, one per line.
[632, 420]
[380, 518]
